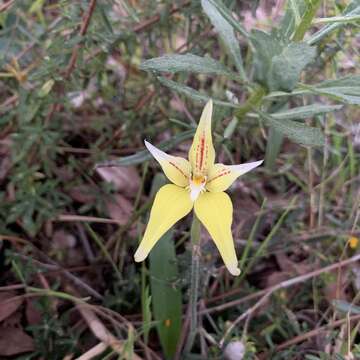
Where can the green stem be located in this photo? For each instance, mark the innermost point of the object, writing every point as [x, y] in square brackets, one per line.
[307, 19]
[194, 282]
[253, 101]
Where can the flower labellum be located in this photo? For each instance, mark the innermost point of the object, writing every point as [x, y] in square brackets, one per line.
[198, 183]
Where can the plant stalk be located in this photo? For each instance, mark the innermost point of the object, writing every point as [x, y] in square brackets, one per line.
[194, 282]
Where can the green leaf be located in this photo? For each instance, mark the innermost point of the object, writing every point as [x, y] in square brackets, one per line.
[185, 63]
[226, 33]
[292, 17]
[146, 312]
[265, 47]
[273, 146]
[346, 307]
[352, 9]
[166, 296]
[192, 93]
[295, 131]
[229, 130]
[306, 20]
[226, 14]
[346, 89]
[278, 65]
[304, 112]
[144, 155]
[287, 66]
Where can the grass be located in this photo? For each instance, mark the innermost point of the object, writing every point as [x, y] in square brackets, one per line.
[73, 96]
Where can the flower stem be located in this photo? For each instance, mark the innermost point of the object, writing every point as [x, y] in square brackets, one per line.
[194, 282]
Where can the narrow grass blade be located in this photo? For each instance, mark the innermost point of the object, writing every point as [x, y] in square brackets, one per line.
[262, 248]
[145, 306]
[250, 241]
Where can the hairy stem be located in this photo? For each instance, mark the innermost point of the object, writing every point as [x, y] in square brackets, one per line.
[194, 282]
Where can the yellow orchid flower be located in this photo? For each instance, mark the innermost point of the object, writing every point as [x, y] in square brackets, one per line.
[200, 184]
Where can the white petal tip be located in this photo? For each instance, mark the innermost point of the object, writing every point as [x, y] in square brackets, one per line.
[255, 164]
[234, 270]
[246, 167]
[140, 256]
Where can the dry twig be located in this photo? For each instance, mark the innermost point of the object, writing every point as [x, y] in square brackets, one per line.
[282, 285]
[83, 29]
[101, 332]
[94, 351]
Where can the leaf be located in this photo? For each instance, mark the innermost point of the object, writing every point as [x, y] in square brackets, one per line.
[294, 11]
[278, 65]
[226, 14]
[166, 296]
[273, 146]
[287, 66]
[192, 93]
[275, 138]
[119, 208]
[33, 314]
[346, 307]
[297, 132]
[185, 63]
[226, 33]
[306, 19]
[351, 10]
[146, 312]
[265, 47]
[8, 305]
[144, 155]
[125, 179]
[346, 89]
[304, 112]
[14, 341]
[83, 193]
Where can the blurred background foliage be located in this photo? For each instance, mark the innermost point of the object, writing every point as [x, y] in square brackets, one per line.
[83, 83]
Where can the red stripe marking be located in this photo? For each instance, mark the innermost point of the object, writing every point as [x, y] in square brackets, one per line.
[177, 168]
[202, 149]
[223, 173]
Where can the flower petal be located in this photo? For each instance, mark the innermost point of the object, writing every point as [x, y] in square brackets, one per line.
[221, 176]
[202, 153]
[170, 205]
[215, 210]
[176, 168]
